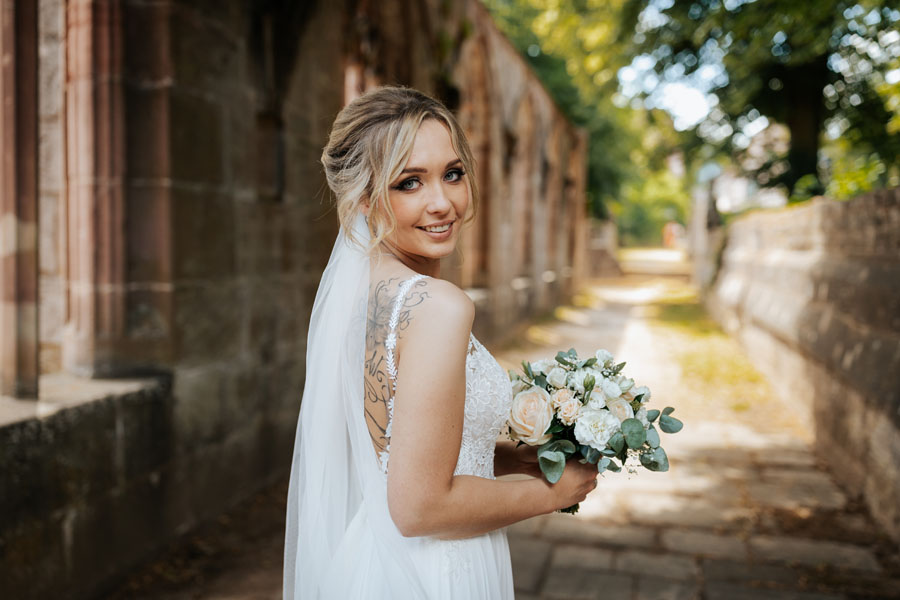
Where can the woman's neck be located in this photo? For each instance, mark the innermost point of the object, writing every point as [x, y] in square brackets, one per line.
[425, 266]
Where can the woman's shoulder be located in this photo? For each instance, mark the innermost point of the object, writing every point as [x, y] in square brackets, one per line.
[447, 300]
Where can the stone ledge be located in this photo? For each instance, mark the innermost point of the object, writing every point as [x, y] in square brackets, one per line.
[58, 391]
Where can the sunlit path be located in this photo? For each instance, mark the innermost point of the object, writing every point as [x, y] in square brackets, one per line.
[744, 512]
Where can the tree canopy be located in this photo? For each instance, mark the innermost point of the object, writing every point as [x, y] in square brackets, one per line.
[807, 65]
[575, 47]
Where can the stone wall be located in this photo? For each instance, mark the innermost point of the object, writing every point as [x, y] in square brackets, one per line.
[813, 292]
[185, 223]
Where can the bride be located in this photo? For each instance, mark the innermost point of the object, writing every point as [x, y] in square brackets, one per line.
[392, 491]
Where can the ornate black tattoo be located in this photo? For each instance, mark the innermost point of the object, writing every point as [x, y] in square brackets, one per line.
[382, 296]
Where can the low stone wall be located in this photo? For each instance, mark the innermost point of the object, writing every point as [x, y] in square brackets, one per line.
[813, 292]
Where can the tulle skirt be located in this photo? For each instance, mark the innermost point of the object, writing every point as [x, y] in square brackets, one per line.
[373, 561]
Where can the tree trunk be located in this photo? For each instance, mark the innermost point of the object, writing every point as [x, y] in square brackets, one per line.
[804, 111]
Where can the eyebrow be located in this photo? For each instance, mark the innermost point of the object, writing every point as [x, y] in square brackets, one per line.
[452, 163]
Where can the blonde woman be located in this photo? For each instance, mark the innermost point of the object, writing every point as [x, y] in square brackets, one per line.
[393, 491]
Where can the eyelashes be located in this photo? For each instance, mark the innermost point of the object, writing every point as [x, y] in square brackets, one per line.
[411, 184]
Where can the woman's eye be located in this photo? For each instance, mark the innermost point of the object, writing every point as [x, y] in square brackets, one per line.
[454, 175]
[407, 185]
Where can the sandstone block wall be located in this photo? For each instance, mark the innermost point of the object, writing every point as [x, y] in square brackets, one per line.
[813, 292]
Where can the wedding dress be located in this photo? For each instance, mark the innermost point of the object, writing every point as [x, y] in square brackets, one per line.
[340, 540]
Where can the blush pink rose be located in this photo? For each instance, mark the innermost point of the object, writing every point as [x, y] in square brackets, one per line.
[530, 416]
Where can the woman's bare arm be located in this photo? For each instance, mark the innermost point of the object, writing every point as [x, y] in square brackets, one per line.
[424, 496]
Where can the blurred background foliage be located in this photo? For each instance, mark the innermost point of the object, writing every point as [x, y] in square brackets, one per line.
[802, 96]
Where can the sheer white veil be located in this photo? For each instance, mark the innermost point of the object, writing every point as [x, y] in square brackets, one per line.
[337, 501]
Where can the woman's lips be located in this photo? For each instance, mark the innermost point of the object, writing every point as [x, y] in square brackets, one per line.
[443, 235]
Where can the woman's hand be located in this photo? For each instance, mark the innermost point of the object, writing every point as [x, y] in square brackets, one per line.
[527, 461]
[577, 481]
[512, 458]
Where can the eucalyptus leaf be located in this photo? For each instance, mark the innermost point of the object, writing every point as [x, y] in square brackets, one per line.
[552, 465]
[618, 368]
[563, 359]
[565, 446]
[617, 442]
[572, 353]
[652, 414]
[653, 437]
[634, 433]
[668, 410]
[613, 466]
[655, 460]
[591, 454]
[527, 367]
[589, 362]
[608, 452]
[541, 380]
[603, 464]
[670, 424]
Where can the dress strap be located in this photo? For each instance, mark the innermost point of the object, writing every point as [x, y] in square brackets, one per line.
[390, 344]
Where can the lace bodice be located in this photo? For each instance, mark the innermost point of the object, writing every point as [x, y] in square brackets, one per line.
[487, 404]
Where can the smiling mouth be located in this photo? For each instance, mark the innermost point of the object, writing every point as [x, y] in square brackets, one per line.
[438, 228]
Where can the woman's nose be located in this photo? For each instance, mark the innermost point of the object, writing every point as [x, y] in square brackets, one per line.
[438, 202]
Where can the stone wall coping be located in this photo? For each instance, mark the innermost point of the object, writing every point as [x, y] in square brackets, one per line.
[60, 391]
[886, 198]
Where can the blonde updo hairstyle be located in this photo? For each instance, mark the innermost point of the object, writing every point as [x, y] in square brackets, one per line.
[370, 143]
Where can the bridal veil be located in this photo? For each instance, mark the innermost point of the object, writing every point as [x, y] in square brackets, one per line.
[338, 531]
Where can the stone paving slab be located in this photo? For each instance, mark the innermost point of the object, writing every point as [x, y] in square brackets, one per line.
[705, 544]
[585, 584]
[566, 555]
[813, 553]
[565, 528]
[727, 591]
[654, 588]
[798, 494]
[747, 572]
[672, 566]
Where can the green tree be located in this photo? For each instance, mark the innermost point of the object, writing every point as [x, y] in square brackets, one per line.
[803, 64]
[575, 48]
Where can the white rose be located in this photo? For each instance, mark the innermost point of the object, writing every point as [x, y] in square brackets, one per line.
[557, 377]
[604, 357]
[641, 415]
[620, 408]
[624, 383]
[594, 427]
[610, 389]
[543, 366]
[569, 410]
[560, 397]
[530, 416]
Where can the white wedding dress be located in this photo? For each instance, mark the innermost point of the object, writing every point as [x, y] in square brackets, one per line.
[341, 542]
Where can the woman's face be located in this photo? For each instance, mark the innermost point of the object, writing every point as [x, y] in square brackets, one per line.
[429, 197]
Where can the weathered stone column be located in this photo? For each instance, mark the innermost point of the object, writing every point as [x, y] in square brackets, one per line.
[18, 199]
[95, 189]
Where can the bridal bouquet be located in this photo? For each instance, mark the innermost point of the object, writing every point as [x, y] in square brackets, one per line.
[568, 406]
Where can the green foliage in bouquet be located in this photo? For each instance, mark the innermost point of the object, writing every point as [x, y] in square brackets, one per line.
[630, 437]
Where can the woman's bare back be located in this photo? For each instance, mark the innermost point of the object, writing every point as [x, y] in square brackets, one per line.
[384, 286]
